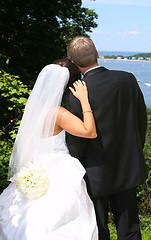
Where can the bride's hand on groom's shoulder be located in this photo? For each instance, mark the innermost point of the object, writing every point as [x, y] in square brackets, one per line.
[79, 90]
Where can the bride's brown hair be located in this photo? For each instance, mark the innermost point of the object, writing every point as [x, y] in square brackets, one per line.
[73, 69]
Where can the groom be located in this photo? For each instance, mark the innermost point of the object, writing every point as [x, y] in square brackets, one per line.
[114, 161]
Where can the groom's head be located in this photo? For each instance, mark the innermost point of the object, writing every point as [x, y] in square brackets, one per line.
[82, 51]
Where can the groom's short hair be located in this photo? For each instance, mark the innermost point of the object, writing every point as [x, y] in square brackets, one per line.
[82, 51]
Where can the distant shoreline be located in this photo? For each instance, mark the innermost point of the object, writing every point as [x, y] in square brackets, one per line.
[132, 60]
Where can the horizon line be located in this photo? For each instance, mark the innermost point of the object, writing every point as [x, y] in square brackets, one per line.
[123, 51]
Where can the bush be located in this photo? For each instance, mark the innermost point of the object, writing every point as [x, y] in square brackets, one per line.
[5, 152]
[13, 97]
[144, 191]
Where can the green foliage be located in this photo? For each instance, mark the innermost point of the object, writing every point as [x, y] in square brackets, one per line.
[143, 55]
[110, 56]
[5, 152]
[35, 33]
[12, 99]
[113, 233]
[144, 191]
[146, 232]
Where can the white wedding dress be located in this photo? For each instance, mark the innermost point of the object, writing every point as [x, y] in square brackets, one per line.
[65, 212]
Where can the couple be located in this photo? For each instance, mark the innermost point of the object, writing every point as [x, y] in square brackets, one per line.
[113, 160]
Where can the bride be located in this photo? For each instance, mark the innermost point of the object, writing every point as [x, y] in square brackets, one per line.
[51, 202]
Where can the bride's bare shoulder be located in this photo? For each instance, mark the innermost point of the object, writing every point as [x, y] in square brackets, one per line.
[62, 109]
[61, 112]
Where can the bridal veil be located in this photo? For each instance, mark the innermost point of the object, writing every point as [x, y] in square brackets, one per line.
[39, 116]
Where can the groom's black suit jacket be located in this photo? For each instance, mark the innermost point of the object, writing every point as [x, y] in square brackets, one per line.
[114, 161]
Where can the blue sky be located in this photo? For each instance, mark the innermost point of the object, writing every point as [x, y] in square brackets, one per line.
[123, 25]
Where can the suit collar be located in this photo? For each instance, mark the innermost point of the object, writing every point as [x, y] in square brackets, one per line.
[94, 71]
[97, 66]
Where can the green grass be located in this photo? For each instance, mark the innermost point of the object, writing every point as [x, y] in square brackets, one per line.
[146, 233]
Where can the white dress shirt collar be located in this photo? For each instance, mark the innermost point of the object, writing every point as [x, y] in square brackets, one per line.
[91, 69]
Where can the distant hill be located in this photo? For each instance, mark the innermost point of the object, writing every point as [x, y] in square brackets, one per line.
[143, 55]
[138, 56]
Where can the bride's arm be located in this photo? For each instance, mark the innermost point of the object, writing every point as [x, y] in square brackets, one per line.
[73, 124]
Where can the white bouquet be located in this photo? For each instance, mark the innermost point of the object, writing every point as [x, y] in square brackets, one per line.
[32, 181]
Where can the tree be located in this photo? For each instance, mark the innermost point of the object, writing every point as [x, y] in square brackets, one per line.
[35, 33]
